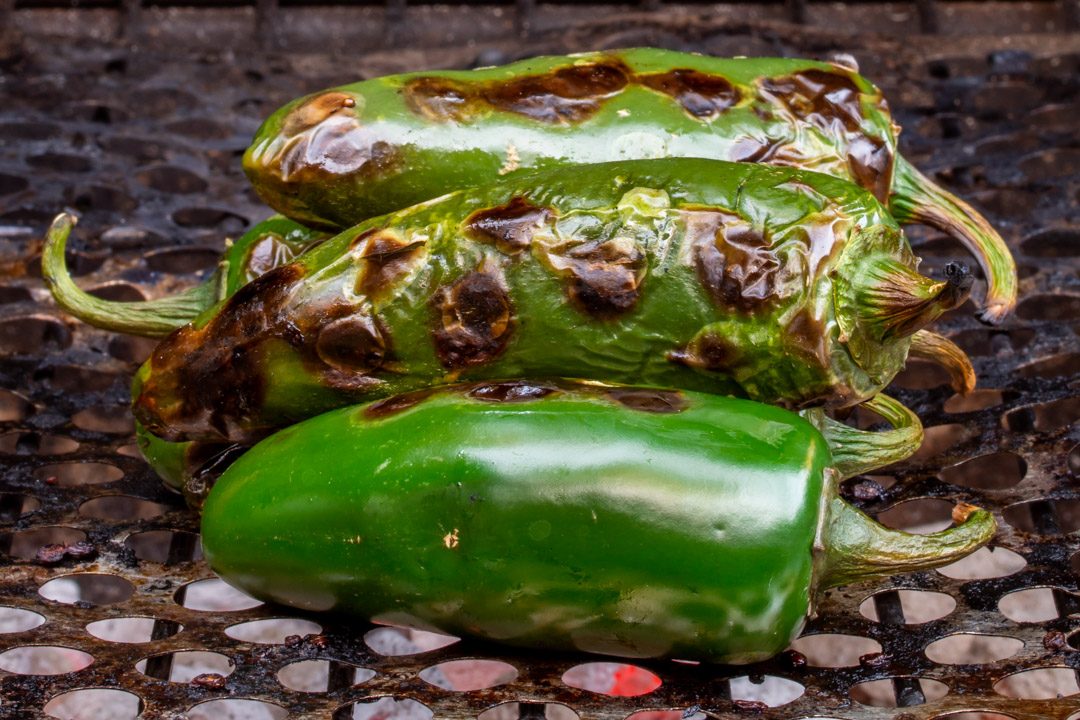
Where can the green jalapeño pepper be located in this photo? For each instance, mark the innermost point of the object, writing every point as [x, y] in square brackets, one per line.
[614, 520]
[780, 285]
[267, 245]
[340, 156]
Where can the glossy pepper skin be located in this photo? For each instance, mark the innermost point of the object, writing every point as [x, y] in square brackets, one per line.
[784, 286]
[614, 520]
[337, 157]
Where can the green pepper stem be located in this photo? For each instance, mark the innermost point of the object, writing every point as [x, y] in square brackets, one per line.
[857, 451]
[854, 547]
[150, 318]
[927, 345]
[917, 198]
[897, 301]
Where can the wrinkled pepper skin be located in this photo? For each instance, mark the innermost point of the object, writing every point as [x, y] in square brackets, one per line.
[673, 272]
[271, 243]
[614, 520]
[340, 156]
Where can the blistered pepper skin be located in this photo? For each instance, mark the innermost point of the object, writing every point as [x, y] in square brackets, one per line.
[614, 520]
[337, 157]
[674, 272]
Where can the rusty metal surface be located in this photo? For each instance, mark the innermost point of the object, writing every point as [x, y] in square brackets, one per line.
[145, 144]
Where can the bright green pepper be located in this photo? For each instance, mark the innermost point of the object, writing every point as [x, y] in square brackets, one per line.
[773, 283]
[615, 520]
[340, 156]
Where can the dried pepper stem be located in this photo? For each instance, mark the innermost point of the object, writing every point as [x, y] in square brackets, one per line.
[927, 345]
[916, 198]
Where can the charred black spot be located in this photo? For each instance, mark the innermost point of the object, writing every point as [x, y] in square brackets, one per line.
[388, 258]
[708, 351]
[700, 94]
[805, 334]
[566, 95]
[653, 401]
[352, 344]
[516, 391]
[396, 404]
[871, 162]
[821, 97]
[733, 260]
[603, 276]
[508, 227]
[476, 320]
[314, 111]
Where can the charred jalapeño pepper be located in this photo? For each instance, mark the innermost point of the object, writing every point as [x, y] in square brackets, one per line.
[340, 156]
[772, 283]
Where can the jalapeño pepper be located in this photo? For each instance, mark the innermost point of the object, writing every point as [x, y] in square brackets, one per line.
[342, 155]
[614, 520]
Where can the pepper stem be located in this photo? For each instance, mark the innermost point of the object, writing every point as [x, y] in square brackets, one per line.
[854, 547]
[857, 451]
[927, 345]
[150, 318]
[917, 198]
[896, 301]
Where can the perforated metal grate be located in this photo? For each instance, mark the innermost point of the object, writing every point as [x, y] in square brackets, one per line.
[145, 145]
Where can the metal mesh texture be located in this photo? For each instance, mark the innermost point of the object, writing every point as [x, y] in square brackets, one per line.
[144, 143]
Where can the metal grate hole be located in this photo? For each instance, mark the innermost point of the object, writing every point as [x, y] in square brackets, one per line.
[972, 648]
[16, 620]
[898, 692]
[1030, 605]
[214, 595]
[985, 563]
[237, 708]
[837, 650]
[1039, 684]
[996, 471]
[319, 676]
[44, 660]
[71, 474]
[87, 589]
[469, 675]
[123, 508]
[272, 631]
[917, 606]
[185, 666]
[769, 690]
[385, 708]
[405, 641]
[133, 629]
[95, 703]
[609, 678]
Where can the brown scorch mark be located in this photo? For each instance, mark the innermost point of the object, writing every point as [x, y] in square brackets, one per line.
[508, 227]
[565, 95]
[396, 404]
[568, 94]
[513, 391]
[353, 344]
[707, 351]
[475, 319]
[871, 163]
[603, 277]
[734, 262]
[212, 376]
[314, 111]
[805, 335]
[820, 97]
[700, 94]
[388, 258]
[653, 401]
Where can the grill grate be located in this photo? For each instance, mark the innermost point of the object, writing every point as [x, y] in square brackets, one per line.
[145, 144]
